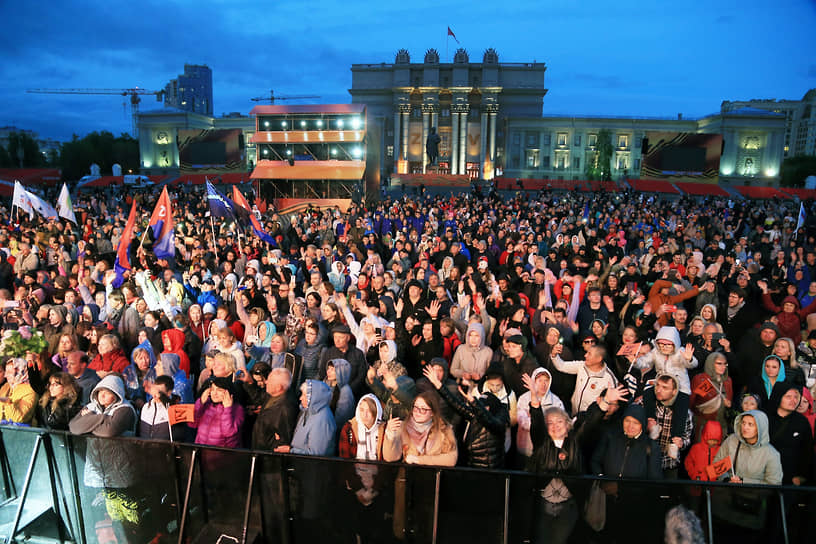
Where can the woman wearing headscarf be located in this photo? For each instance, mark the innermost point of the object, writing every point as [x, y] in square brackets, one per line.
[169, 365]
[338, 372]
[60, 403]
[296, 321]
[143, 361]
[363, 435]
[712, 392]
[56, 326]
[17, 399]
[769, 384]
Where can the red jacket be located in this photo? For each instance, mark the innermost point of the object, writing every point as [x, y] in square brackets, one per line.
[113, 361]
[701, 454]
[789, 323]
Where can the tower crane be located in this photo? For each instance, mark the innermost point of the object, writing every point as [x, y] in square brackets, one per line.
[272, 98]
[134, 93]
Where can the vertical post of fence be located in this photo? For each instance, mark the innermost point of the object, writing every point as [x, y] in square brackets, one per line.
[190, 474]
[75, 487]
[784, 519]
[708, 516]
[506, 526]
[248, 506]
[436, 507]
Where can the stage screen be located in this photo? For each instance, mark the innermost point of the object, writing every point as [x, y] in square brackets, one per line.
[215, 149]
[682, 156]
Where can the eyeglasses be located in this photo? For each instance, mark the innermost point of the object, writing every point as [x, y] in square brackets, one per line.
[590, 341]
[422, 410]
[665, 344]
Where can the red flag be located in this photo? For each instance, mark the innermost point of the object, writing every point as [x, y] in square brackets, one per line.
[181, 413]
[719, 468]
[257, 228]
[162, 223]
[450, 33]
[123, 249]
[704, 389]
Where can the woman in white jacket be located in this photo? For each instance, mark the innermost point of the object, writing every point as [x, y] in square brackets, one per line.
[542, 379]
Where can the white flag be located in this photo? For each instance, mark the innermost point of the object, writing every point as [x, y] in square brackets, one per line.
[42, 207]
[21, 199]
[802, 217]
[65, 207]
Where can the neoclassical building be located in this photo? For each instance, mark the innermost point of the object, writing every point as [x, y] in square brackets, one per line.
[466, 102]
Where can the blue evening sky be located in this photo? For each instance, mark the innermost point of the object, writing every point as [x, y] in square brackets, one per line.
[604, 57]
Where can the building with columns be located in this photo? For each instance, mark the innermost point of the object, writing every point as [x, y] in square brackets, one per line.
[465, 102]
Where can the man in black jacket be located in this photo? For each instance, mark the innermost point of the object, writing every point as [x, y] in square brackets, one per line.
[791, 436]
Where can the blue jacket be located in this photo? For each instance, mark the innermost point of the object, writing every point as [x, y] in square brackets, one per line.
[315, 428]
[345, 406]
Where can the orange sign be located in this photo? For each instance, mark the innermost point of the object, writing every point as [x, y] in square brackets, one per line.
[629, 350]
[719, 468]
[705, 389]
[181, 413]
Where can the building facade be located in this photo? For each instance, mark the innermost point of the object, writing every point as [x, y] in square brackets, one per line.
[559, 147]
[191, 91]
[465, 102]
[800, 120]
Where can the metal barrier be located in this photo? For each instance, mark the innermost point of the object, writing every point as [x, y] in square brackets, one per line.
[63, 488]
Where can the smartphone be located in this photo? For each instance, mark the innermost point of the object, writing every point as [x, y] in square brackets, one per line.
[630, 286]
[378, 331]
[716, 337]
[560, 339]
[671, 308]
[359, 295]
[239, 373]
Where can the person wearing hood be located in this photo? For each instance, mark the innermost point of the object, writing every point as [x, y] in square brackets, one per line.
[471, 359]
[789, 316]
[310, 349]
[169, 365]
[338, 372]
[18, 401]
[702, 453]
[791, 435]
[541, 379]
[57, 326]
[315, 428]
[173, 342]
[109, 463]
[143, 362]
[670, 358]
[741, 513]
[712, 392]
[769, 385]
[669, 421]
[362, 437]
[806, 408]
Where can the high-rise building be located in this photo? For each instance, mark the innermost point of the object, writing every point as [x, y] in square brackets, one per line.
[465, 102]
[191, 91]
[800, 120]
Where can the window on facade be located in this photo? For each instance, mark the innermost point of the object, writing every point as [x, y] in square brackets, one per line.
[545, 161]
[389, 151]
[592, 140]
[623, 140]
[623, 163]
[517, 138]
[561, 162]
[515, 160]
[532, 158]
[416, 113]
[546, 139]
[562, 139]
[445, 112]
[577, 140]
[637, 164]
[576, 163]
[532, 139]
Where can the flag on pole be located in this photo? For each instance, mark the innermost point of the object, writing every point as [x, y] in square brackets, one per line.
[257, 228]
[21, 200]
[802, 215]
[220, 206]
[161, 221]
[450, 33]
[41, 206]
[65, 207]
[122, 262]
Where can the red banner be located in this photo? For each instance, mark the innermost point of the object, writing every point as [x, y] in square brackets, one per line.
[181, 413]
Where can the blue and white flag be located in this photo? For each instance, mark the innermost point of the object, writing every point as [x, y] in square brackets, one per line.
[220, 206]
[802, 215]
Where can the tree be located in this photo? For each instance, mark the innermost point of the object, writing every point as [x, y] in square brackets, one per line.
[796, 169]
[599, 161]
[5, 158]
[101, 148]
[23, 152]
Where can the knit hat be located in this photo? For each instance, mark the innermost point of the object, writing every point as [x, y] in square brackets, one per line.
[636, 411]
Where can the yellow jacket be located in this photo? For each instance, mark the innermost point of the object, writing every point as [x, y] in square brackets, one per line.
[21, 403]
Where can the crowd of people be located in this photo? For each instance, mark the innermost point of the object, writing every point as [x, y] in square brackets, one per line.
[564, 334]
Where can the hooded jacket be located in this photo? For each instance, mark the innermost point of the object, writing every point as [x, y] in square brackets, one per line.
[792, 437]
[176, 339]
[108, 463]
[701, 454]
[549, 400]
[218, 425]
[757, 463]
[674, 364]
[471, 360]
[789, 323]
[769, 394]
[588, 384]
[354, 432]
[316, 427]
[133, 379]
[342, 399]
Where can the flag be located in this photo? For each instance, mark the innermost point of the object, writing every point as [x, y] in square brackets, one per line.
[719, 468]
[257, 228]
[800, 223]
[162, 223]
[450, 33]
[220, 206]
[586, 211]
[122, 262]
[21, 199]
[65, 207]
[41, 206]
[181, 413]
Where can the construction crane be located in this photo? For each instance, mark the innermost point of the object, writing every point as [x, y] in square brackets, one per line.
[272, 98]
[134, 94]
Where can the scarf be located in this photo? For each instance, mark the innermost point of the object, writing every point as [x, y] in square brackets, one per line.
[367, 441]
[731, 312]
[418, 433]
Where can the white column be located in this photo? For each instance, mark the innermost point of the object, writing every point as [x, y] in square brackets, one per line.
[463, 136]
[482, 142]
[397, 131]
[493, 137]
[406, 120]
[454, 158]
[426, 117]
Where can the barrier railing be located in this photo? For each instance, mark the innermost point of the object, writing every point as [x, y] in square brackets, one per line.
[61, 488]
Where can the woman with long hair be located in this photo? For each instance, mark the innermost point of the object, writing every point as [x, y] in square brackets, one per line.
[424, 438]
[60, 403]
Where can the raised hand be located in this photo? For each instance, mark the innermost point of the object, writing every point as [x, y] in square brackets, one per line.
[431, 376]
[688, 352]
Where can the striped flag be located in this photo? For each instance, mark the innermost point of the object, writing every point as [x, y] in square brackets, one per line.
[164, 239]
[65, 208]
[122, 262]
[257, 228]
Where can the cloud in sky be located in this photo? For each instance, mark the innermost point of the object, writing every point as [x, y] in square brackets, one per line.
[634, 60]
